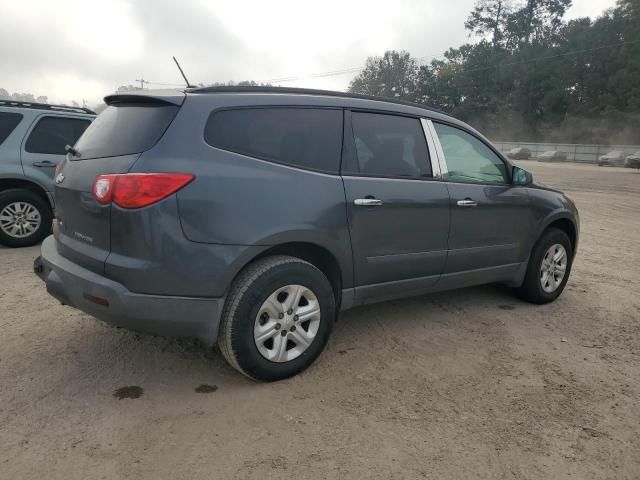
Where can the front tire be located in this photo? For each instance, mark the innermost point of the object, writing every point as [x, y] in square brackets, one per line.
[549, 267]
[277, 318]
[25, 218]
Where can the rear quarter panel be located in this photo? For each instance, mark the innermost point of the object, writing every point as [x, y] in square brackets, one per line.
[238, 200]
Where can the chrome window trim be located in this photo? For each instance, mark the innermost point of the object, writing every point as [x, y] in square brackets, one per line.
[435, 149]
[433, 156]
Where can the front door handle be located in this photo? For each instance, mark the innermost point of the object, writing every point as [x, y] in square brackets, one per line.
[44, 163]
[467, 202]
[367, 202]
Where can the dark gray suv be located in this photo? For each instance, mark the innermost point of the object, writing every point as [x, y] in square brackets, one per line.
[252, 216]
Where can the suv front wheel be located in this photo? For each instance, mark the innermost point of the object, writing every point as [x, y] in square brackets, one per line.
[277, 318]
[25, 218]
[549, 267]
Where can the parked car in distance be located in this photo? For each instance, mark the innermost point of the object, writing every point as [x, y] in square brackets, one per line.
[633, 160]
[33, 137]
[251, 216]
[615, 158]
[519, 153]
[552, 156]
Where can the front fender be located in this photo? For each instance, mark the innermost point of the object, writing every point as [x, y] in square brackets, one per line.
[560, 214]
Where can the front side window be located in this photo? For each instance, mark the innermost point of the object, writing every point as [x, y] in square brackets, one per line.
[302, 137]
[52, 134]
[8, 121]
[468, 159]
[390, 145]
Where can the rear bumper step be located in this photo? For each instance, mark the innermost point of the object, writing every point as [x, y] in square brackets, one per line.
[112, 302]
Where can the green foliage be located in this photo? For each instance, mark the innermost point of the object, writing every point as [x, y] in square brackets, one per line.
[394, 75]
[532, 76]
[490, 17]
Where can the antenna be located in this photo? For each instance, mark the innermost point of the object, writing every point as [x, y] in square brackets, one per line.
[183, 75]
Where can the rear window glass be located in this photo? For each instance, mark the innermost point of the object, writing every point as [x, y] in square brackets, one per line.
[302, 137]
[52, 134]
[123, 129]
[8, 121]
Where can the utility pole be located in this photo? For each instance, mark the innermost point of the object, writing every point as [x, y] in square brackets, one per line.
[142, 82]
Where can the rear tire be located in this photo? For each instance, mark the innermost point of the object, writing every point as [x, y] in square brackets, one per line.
[259, 306]
[25, 218]
[536, 287]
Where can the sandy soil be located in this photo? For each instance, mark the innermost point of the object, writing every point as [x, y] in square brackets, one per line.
[465, 384]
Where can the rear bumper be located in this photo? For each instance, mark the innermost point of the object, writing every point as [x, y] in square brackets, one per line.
[112, 302]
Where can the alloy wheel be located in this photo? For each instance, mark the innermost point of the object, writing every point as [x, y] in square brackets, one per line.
[287, 323]
[20, 219]
[553, 268]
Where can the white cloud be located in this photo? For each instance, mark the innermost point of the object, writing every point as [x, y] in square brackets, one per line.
[589, 8]
[104, 29]
[74, 49]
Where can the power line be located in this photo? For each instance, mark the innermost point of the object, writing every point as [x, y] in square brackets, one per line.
[419, 60]
[164, 84]
[433, 57]
[574, 52]
[343, 71]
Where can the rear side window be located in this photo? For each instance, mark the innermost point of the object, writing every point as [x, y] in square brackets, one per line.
[303, 137]
[124, 129]
[8, 121]
[52, 134]
[390, 145]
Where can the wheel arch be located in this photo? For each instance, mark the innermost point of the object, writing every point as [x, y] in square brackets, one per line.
[564, 222]
[317, 255]
[21, 183]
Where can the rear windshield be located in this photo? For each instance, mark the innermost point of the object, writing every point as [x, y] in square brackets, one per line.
[123, 129]
[8, 121]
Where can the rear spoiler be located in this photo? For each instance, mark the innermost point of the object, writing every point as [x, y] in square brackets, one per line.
[162, 97]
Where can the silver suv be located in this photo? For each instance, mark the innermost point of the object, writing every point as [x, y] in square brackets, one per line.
[33, 138]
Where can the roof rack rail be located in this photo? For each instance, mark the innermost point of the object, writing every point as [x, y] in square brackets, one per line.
[44, 106]
[306, 91]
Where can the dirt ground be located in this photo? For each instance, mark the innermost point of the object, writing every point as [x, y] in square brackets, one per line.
[459, 385]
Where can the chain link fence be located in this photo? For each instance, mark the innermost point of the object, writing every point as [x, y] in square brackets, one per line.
[583, 153]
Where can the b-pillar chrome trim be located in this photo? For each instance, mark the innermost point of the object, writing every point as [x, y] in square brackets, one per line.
[438, 162]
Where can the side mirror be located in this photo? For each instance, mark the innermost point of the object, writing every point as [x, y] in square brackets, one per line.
[520, 176]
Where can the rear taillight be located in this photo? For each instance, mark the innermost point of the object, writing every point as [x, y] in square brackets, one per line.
[103, 188]
[136, 190]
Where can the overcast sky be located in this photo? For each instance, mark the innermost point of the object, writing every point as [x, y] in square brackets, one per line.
[84, 49]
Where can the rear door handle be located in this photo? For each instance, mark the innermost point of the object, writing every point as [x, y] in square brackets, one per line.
[44, 163]
[467, 202]
[367, 202]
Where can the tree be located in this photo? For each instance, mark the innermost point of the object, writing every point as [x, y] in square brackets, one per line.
[489, 17]
[536, 21]
[394, 75]
[532, 77]
[127, 88]
[23, 97]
